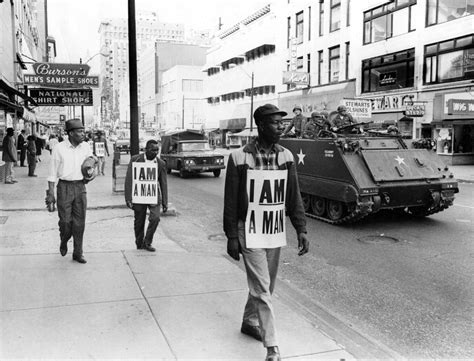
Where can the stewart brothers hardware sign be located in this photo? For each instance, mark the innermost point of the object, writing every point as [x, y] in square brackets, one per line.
[62, 96]
[61, 75]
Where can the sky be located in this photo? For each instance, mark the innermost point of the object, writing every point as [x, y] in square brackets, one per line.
[75, 24]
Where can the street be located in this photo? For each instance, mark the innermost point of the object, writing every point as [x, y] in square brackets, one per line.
[409, 288]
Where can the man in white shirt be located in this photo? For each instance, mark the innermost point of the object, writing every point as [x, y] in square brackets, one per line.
[66, 168]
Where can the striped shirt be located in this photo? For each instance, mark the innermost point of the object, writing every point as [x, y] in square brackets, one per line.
[264, 160]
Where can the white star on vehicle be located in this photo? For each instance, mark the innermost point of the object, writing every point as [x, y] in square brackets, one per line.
[301, 156]
[400, 160]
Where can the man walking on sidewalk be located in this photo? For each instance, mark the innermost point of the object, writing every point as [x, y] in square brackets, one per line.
[68, 162]
[145, 188]
[261, 183]
[21, 146]
[9, 156]
[101, 150]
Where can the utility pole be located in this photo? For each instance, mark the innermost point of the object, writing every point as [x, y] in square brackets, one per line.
[132, 66]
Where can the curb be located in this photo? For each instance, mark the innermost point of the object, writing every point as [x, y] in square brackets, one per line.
[170, 213]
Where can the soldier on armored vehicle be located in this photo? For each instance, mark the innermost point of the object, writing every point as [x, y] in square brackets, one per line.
[315, 125]
[343, 122]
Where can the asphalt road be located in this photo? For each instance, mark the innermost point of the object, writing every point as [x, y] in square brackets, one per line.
[412, 292]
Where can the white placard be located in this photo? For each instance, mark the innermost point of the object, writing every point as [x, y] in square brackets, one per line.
[100, 149]
[265, 223]
[144, 183]
[359, 108]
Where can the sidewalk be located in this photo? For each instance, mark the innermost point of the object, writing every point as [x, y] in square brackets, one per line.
[125, 303]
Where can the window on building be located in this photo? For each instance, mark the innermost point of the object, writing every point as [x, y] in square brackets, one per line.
[334, 61]
[391, 71]
[309, 22]
[321, 18]
[288, 32]
[449, 60]
[299, 28]
[441, 11]
[348, 19]
[388, 20]
[348, 53]
[320, 66]
[308, 63]
[192, 85]
[299, 62]
[335, 15]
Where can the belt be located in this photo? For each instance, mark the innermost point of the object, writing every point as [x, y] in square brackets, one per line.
[72, 182]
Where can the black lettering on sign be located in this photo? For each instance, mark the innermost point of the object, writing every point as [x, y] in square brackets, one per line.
[266, 195]
[135, 190]
[252, 190]
[252, 222]
[279, 195]
[273, 222]
[148, 190]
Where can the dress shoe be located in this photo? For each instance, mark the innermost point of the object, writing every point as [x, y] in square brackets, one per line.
[252, 331]
[32, 175]
[9, 182]
[273, 354]
[139, 246]
[79, 259]
[14, 181]
[63, 249]
[149, 248]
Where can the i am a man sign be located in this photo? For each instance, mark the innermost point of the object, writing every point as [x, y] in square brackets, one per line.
[144, 183]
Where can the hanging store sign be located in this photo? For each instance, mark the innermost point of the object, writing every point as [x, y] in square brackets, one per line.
[50, 97]
[61, 81]
[359, 108]
[415, 110]
[61, 69]
[295, 78]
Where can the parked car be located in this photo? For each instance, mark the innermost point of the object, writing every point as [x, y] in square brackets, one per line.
[122, 145]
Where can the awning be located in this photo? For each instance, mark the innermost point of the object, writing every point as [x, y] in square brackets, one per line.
[232, 124]
[8, 106]
[247, 133]
[28, 115]
[12, 91]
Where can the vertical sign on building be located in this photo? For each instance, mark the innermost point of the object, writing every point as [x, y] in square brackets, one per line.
[293, 55]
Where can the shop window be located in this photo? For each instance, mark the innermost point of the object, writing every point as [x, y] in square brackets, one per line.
[441, 11]
[299, 28]
[449, 60]
[321, 18]
[335, 15]
[391, 71]
[299, 62]
[334, 60]
[388, 20]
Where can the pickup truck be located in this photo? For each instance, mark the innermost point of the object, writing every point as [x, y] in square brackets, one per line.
[189, 152]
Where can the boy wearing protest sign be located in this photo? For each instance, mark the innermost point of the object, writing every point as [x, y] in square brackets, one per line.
[146, 188]
[100, 151]
[261, 183]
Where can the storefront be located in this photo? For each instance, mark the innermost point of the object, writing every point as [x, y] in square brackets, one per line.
[229, 126]
[453, 127]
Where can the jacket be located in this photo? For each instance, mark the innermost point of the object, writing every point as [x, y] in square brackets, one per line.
[235, 194]
[9, 149]
[162, 180]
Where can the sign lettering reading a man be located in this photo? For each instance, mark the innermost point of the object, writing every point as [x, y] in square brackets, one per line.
[100, 149]
[144, 183]
[265, 223]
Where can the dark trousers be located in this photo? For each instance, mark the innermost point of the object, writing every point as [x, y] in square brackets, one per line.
[31, 164]
[22, 156]
[72, 204]
[139, 223]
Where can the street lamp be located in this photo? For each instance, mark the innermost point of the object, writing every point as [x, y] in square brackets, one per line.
[251, 76]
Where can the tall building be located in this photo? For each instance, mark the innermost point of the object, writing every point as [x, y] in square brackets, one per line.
[114, 44]
[411, 60]
[242, 70]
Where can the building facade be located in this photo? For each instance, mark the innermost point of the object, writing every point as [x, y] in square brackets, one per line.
[242, 71]
[411, 59]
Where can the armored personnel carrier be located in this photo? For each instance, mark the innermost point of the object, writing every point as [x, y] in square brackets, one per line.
[345, 177]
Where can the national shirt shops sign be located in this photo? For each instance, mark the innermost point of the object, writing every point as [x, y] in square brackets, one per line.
[62, 96]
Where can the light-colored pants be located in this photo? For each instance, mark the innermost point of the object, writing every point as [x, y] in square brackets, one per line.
[9, 172]
[100, 165]
[261, 265]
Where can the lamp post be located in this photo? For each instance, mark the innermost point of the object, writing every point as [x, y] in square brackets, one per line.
[251, 76]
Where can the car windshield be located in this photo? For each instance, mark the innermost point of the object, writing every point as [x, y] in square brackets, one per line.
[189, 147]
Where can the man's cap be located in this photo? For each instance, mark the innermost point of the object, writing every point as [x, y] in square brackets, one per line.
[316, 115]
[298, 107]
[341, 108]
[72, 124]
[267, 109]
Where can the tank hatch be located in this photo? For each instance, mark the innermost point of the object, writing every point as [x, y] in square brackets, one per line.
[402, 164]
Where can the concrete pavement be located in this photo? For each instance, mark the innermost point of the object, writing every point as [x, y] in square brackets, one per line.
[125, 303]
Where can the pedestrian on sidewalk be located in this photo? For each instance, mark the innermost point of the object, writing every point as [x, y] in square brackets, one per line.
[52, 142]
[39, 146]
[9, 156]
[21, 146]
[72, 165]
[101, 150]
[252, 171]
[31, 155]
[142, 240]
